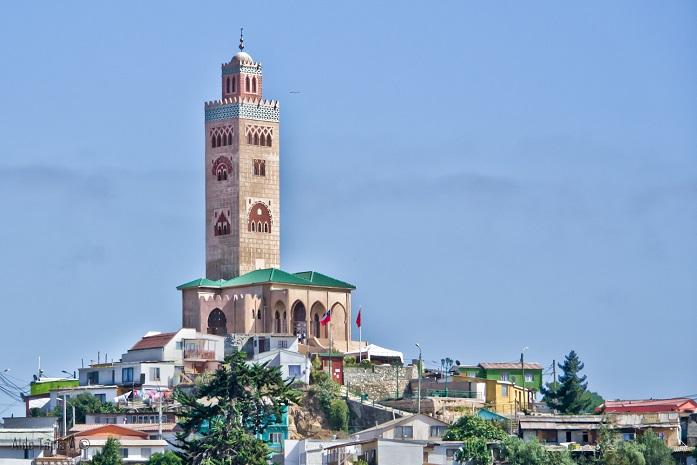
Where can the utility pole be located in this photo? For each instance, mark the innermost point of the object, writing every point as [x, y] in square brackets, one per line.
[65, 412]
[554, 372]
[159, 420]
[418, 401]
[396, 392]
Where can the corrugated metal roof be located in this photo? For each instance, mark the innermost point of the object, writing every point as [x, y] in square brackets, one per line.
[679, 404]
[510, 366]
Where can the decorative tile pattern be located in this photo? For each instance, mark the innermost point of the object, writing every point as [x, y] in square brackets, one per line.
[242, 110]
[234, 69]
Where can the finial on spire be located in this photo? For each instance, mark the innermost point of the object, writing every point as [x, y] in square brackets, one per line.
[241, 38]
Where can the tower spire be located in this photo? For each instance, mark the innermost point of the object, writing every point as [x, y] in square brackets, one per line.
[241, 39]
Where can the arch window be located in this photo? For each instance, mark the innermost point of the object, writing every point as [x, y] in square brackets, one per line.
[277, 322]
[222, 225]
[217, 323]
[221, 136]
[259, 135]
[246, 84]
[227, 85]
[259, 167]
[256, 139]
[233, 83]
[259, 218]
[254, 85]
[213, 144]
[222, 167]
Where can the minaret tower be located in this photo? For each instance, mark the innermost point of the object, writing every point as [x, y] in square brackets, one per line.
[242, 174]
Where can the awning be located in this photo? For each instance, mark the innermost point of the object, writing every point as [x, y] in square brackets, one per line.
[372, 350]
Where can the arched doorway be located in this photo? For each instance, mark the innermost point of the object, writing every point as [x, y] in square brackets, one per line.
[339, 319]
[317, 313]
[299, 319]
[280, 323]
[217, 323]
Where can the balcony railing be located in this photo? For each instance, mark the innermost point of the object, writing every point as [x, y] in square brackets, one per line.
[199, 354]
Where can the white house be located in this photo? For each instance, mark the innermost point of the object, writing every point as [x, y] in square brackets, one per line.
[417, 427]
[25, 439]
[292, 364]
[136, 446]
[103, 393]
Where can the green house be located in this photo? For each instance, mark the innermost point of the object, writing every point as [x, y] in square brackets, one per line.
[276, 433]
[46, 385]
[506, 371]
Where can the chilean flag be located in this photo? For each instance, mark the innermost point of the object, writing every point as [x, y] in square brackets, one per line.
[326, 318]
[358, 318]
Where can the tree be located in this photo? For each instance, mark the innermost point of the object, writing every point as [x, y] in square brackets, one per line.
[518, 452]
[569, 395]
[84, 403]
[222, 418]
[166, 458]
[655, 450]
[475, 432]
[110, 454]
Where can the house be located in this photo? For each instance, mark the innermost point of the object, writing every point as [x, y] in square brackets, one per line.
[507, 371]
[276, 433]
[27, 438]
[413, 427]
[168, 427]
[501, 397]
[136, 446]
[293, 365]
[559, 429]
[307, 451]
[442, 452]
[103, 393]
[376, 451]
[630, 425]
[158, 362]
[679, 405]
[39, 393]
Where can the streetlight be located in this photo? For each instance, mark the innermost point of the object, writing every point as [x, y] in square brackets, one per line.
[72, 375]
[418, 402]
[522, 369]
[446, 363]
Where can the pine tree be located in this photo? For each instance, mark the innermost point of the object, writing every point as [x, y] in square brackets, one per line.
[569, 395]
[221, 419]
[110, 454]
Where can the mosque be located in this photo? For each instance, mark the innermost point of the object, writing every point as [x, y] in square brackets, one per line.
[245, 290]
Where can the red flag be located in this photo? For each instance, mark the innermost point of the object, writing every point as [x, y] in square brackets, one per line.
[326, 318]
[358, 318]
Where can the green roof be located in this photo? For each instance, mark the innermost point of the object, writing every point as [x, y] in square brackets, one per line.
[271, 275]
[202, 282]
[319, 279]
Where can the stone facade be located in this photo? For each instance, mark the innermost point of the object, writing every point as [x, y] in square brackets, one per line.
[272, 308]
[242, 175]
[379, 381]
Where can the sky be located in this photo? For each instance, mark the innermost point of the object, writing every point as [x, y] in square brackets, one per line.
[490, 175]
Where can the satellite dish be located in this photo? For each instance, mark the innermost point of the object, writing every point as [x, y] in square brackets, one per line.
[457, 362]
[35, 378]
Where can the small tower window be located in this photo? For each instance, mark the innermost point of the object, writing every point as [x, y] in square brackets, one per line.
[259, 167]
[218, 141]
[233, 83]
[256, 139]
[254, 85]
[246, 84]
[249, 138]
[268, 140]
[229, 138]
[227, 85]
[213, 142]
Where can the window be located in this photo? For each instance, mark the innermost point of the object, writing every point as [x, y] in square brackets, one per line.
[179, 345]
[628, 436]
[254, 85]
[233, 83]
[294, 371]
[585, 437]
[145, 452]
[504, 390]
[259, 215]
[661, 435]
[450, 453]
[246, 84]
[437, 431]
[155, 373]
[93, 377]
[259, 167]
[472, 374]
[528, 377]
[504, 376]
[124, 453]
[113, 376]
[101, 397]
[127, 375]
[276, 438]
[404, 432]
[227, 85]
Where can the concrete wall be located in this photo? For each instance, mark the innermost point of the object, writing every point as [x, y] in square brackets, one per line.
[395, 453]
[379, 381]
[364, 415]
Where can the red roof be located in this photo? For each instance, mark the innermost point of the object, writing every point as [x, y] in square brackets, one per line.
[154, 342]
[648, 406]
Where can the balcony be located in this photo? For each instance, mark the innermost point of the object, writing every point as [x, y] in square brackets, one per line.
[199, 350]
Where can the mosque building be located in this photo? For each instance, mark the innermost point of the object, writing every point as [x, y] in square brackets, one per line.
[245, 291]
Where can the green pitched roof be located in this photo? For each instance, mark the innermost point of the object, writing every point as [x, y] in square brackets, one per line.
[201, 282]
[268, 275]
[271, 275]
[319, 279]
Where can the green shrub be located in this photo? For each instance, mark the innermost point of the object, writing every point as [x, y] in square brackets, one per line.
[338, 415]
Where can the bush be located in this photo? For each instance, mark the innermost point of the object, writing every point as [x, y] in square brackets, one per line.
[338, 415]
[518, 452]
[470, 426]
[166, 458]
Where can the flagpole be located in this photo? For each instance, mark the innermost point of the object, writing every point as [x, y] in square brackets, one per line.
[331, 373]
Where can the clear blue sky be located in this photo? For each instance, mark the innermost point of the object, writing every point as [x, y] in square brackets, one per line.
[490, 176]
